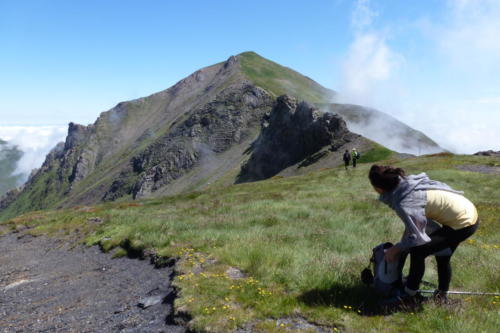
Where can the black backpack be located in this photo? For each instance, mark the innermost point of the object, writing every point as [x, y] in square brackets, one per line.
[347, 156]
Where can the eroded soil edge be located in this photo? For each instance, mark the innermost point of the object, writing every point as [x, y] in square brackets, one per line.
[47, 287]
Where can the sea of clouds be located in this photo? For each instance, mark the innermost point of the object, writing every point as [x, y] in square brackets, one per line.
[34, 141]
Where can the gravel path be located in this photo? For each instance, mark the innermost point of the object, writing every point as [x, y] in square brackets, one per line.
[46, 287]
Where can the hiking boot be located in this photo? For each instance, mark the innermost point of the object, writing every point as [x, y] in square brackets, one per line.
[440, 297]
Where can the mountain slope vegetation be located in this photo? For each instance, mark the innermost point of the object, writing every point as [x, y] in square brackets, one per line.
[300, 243]
[198, 132]
[279, 80]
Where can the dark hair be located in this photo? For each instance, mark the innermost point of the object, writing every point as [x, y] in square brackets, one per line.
[385, 177]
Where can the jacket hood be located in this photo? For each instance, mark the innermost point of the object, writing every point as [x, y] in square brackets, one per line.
[412, 183]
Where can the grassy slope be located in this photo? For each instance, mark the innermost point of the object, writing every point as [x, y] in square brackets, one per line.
[301, 240]
[279, 80]
[378, 153]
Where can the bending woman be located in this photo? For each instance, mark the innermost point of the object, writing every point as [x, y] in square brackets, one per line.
[419, 201]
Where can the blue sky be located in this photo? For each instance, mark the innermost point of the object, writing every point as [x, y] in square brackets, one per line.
[432, 64]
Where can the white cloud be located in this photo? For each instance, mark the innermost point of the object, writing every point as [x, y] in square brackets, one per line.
[469, 36]
[463, 126]
[34, 142]
[379, 129]
[368, 69]
[467, 39]
[457, 99]
[362, 16]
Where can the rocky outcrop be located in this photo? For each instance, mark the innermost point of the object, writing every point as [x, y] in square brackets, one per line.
[210, 130]
[488, 153]
[292, 132]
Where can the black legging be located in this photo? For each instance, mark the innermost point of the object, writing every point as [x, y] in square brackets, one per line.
[441, 239]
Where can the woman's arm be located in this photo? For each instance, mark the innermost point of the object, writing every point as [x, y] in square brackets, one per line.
[414, 234]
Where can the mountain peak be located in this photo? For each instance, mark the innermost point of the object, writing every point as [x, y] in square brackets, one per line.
[200, 131]
[280, 80]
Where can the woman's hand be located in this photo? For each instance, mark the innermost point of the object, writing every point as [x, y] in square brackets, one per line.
[392, 254]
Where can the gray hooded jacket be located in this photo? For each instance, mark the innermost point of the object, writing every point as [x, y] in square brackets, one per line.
[408, 199]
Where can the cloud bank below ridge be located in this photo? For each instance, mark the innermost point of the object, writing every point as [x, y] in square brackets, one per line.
[34, 141]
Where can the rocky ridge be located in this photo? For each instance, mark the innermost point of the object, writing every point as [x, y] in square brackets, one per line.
[93, 162]
[200, 131]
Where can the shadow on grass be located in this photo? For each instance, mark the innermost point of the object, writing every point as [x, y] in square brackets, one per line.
[357, 298]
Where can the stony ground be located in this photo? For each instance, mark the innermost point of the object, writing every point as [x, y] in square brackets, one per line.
[47, 287]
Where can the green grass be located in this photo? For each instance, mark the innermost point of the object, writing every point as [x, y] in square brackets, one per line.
[279, 80]
[378, 153]
[301, 241]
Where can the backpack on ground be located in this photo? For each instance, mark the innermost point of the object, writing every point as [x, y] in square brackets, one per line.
[384, 277]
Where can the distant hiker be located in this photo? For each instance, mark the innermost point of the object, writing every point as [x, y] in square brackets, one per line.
[355, 157]
[346, 158]
[421, 202]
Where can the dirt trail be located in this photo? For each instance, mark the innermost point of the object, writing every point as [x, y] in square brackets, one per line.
[46, 287]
